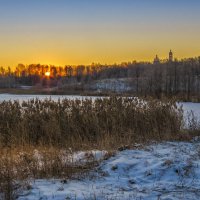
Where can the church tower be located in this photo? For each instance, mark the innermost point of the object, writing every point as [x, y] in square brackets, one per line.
[156, 60]
[171, 56]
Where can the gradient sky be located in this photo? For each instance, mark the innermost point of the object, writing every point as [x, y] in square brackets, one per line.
[107, 31]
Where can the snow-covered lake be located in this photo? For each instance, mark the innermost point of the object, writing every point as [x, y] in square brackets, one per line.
[189, 106]
[25, 97]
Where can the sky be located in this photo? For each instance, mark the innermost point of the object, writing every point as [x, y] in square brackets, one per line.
[75, 32]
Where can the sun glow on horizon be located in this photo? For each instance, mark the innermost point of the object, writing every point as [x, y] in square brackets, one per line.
[47, 74]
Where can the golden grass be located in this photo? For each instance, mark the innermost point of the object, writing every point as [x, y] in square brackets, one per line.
[55, 127]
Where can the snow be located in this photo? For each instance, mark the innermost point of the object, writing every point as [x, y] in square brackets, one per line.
[191, 114]
[169, 170]
[82, 157]
[117, 85]
[24, 97]
[189, 106]
[68, 158]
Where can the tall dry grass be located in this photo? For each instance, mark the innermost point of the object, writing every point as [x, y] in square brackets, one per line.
[51, 127]
[78, 123]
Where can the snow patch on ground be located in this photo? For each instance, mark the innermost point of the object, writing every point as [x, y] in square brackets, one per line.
[189, 108]
[72, 158]
[168, 170]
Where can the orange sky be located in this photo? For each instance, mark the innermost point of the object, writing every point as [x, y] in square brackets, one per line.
[74, 33]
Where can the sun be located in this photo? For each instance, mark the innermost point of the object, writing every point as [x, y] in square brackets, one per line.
[47, 74]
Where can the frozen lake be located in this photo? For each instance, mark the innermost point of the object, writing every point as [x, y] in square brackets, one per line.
[24, 97]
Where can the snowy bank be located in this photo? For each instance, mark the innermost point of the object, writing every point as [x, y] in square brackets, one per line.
[168, 170]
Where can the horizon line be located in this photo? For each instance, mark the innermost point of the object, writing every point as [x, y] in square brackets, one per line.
[99, 63]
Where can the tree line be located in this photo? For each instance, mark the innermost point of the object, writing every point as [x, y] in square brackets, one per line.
[178, 78]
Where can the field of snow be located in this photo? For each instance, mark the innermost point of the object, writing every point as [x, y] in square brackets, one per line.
[168, 170]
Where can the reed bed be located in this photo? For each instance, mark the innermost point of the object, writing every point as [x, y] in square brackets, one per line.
[87, 123]
[73, 125]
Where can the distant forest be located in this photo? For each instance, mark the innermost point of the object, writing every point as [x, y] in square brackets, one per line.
[177, 78]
